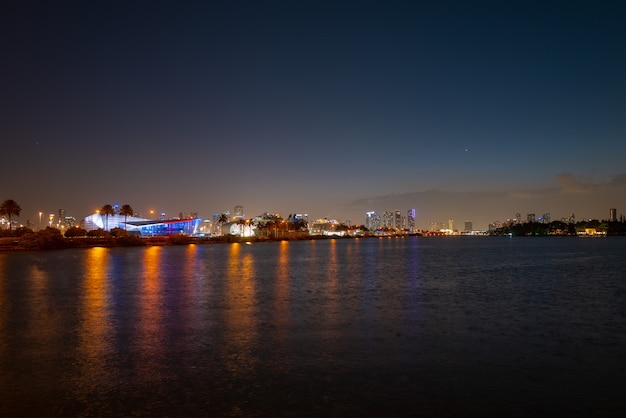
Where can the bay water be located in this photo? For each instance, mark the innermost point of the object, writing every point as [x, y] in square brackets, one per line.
[413, 326]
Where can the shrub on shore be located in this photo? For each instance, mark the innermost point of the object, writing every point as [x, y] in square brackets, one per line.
[49, 238]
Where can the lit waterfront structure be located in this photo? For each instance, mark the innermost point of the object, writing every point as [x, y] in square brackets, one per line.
[239, 228]
[164, 227]
[98, 221]
[206, 227]
[142, 226]
[326, 227]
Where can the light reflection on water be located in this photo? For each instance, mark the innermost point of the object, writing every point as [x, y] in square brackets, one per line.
[94, 332]
[240, 319]
[150, 334]
[369, 327]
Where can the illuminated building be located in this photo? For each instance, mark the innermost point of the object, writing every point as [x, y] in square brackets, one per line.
[326, 227]
[216, 224]
[300, 217]
[164, 227]
[372, 221]
[65, 221]
[469, 226]
[142, 226]
[388, 220]
[613, 215]
[241, 229]
[410, 216]
[238, 212]
[545, 218]
[97, 221]
[398, 224]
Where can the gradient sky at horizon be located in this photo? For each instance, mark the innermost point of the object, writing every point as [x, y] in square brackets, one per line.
[461, 110]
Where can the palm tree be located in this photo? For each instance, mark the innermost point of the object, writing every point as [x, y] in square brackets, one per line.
[241, 222]
[9, 208]
[106, 211]
[222, 220]
[126, 211]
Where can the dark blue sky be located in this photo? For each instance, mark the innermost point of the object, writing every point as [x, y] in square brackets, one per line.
[460, 110]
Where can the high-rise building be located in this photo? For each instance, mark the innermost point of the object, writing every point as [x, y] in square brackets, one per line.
[398, 224]
[372, 221]
[238, 212]
[613, 214]
[216, 224]
[469, 226]
[410, 217]
[530, 217]
[451, 224]
[569, 219]
[387, 220]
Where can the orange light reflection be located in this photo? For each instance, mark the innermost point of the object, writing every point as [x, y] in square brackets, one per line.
[95, 330]
[282, 292]
[332, 313]
[241, 323]
[4, 306]
[150, 332]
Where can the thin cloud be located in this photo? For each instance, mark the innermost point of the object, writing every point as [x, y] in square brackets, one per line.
[619, 180]
[569, 183]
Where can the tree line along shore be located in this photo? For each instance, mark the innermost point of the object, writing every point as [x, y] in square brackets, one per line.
[51, 238]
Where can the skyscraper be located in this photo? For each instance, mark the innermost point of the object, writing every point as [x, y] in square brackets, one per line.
[398, 220]
[613, 214]
[238, 212]
[388, 219]
[372, 221]
[410, 217]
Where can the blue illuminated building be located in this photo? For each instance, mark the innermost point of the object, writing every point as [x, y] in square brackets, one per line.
[164, 227]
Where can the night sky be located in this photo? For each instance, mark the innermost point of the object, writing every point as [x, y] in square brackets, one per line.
[467, 110]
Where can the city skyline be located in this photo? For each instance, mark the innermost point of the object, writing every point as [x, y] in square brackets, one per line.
[400, 219]
[461, 111]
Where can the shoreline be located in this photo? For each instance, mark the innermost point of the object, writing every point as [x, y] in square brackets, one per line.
[12, 244]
